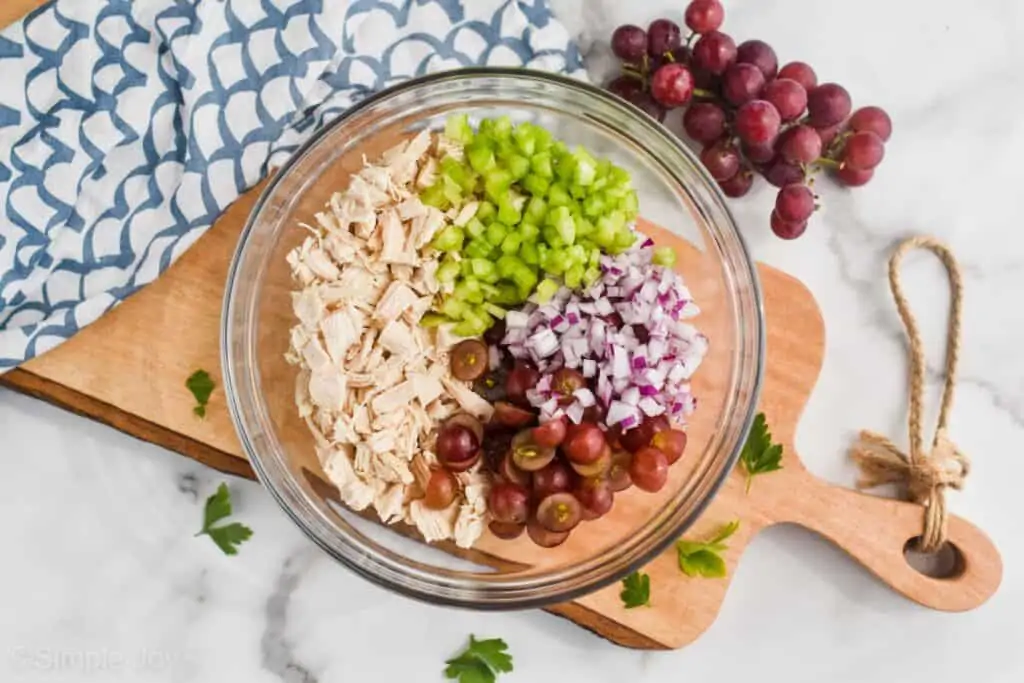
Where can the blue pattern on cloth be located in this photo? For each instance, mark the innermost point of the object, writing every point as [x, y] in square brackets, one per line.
[128, 126]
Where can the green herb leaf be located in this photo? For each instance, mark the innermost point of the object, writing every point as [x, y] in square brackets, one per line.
[229, 536]
[201, 385]
[636, 590]
[480, 662]
[702, 558]
[759, 454]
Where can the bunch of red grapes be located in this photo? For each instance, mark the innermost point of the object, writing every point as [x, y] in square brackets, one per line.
[749, 114]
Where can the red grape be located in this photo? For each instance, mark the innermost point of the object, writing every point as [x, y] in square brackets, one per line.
[714, 52]
[598, 468]
[618, 475]
[828, 104]
[469, 422]
[509, 415]
[585, 445]
[559, 512]
[721, 159]
[595, 495]
[551, 433]
[440, 490]
[509, 471]
[795, 203]
[742, 83]
[527, 454]
[739, 184]
[703, 16]
[543, 537]
[648, 106]
[852, 177]
[649, 469]
[521, 379]
[785, 230]
[759, 154]
[780, 173]
[873, 119]
[761, 55]
[788, 96]
[681, 55]
[801, 73]
[456, 443]
[508, 503]
[671, 442]
[629, 43]
[863, 151]
[565, 382]
[672, 85]
[829, 133]
[625, 86]
[640, 436]
[554, 478]
[704, 122]
[757, 122]
[469, 359]
[662, 36]
[505, 530]
[799, 145]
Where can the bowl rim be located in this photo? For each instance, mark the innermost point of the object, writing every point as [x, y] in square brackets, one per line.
[585, 586]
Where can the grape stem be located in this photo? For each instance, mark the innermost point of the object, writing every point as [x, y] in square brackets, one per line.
[825, 162]
[706, 94]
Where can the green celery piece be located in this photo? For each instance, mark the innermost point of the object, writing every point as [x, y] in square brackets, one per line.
[574, 276]
[457, 127]
[630, 204]
[591, 275]
[474, 228]
[508, 264]
[497, 184]
[486, 210]
[496, 311]
[454, 308]
[557, 262]
[624, 239]
[495, 234]
[478, 248]
[434, 196]
[525, 280]
[508, 214]
[585, 173]
[593, 205]
[604, 234]
[619, 177]
[604, 167]
[489, 289]
[469, 291]
[558, 195]
[452, 190]
[518, 166]
[529, 232]
[529, 254]
[546, 289]
[481, 157]
[536, 209]
[449, 239]
[508, 294]
[583, 227]
[594, 260]
[525, 138]
[566, 227]
[510, 245]
[484, 269]
[664, 256]
[503, 128]
[448, 271]
[431, 319]
[577, 255]
[541, 165]
[469, 328]
[535, 185]
[551, 237]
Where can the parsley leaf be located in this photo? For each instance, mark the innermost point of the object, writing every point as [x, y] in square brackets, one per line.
[636, 590]
[201, 385]
[481, 662]
[759, 454]
[229, 536]
[702, 558]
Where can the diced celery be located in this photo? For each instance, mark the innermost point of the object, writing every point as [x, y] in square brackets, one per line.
[478, 248]
[585, 172]
[624, 239]
[525, 280]
[528, 252]
[563, 222]
[434, 196]
[583, 227]
[604, 234]
[508, 214]
[546, 289]
[510, 245]
[449, 239]
[518, 166]
[536, 209]
[535, 185]
[452, 190]
[495, 234]
[551, 236]
[508, 264]
[481, 157]
[558, 195]
[457, 127]
[496, 311]
[448, 271]
[503, 128]
[593, 206]
[508, 294]
[485, 211]
[528, 231]
[577, 255]
[595, 257]
[474, 228]
[591, 275]
[574, 276]
[525, 138]
[618, 177]
[469, 328]
[454, 308]
[431, 319]
[664, 256]
[541, 165]
[469, 290]
[466, 267]
[484, 270]
[557, 262]
[497, 184]
[630, 205]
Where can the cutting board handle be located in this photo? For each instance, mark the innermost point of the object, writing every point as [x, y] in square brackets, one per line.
[876, 531]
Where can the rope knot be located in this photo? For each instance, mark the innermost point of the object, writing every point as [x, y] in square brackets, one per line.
[925, 476]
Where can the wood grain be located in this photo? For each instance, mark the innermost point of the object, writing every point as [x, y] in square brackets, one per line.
[128, 371]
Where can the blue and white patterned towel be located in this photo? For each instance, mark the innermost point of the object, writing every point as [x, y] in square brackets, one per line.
[128, 126]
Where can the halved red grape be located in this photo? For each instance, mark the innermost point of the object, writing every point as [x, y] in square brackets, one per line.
[761, 55]
[463, 465]
[757, 122]
[468, 421]
[828, 104]
[649, 469]
[585, 445]
[511, 472]
[559, 512]
[662, 36]
[785, 229]
[873, 119]
[508, 503]
[441, 489]
[543, 537]
[629, 43]
[456, 443]
[527, 454]
[625, 86]
[640, 436]
[801, 73]
[703, 16]
[550, 434]
[704, 122]
[799, 145]
[852, 177]
[469, 359]
[739, 184]
[618, 475]
[786, 95]
[795, 203]
[506, 530]
[595, 495]
[565, 382]
[714, 52]
[509, 415]
[671, 442]
[722, 160]
[556, 477]
[780, 173]
[742, 83]
[598, 468]
[672, 85]
[863, 151]
[521, 378]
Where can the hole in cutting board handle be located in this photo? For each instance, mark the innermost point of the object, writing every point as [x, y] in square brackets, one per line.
[945, 563]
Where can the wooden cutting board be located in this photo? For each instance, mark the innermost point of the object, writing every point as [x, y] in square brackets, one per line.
[128, 369]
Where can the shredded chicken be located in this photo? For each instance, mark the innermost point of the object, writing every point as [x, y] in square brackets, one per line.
[372, 383]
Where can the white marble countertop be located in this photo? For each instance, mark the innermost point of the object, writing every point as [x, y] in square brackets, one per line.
[101, 579]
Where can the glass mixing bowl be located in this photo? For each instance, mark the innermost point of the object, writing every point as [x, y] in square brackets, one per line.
[674, 192]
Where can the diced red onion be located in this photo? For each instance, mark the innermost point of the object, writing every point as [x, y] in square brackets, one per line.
[575, 412]
[650, 407]
[516, 319]
[585, 397]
